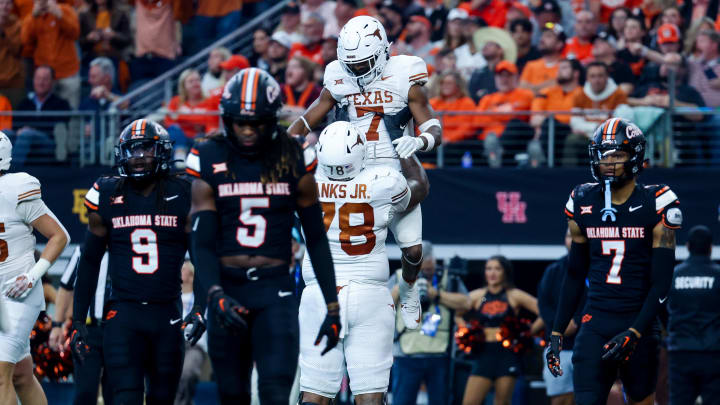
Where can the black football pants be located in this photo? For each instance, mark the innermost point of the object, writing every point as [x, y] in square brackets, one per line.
[593, 377]
[87, 374]
[144, 342]
[271, 342]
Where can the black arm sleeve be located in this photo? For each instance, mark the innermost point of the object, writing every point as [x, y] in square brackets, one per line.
[573, 285]
[319, 250]
[663, 260]
[87, 274]
[545, 297]
[199, 293]
[204, 254]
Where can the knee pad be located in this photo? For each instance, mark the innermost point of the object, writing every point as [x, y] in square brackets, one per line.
[128, 397]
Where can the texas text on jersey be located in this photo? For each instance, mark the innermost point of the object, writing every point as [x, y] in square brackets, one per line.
[620, 251]
[147, 237]
[379, 110]
[255, 218]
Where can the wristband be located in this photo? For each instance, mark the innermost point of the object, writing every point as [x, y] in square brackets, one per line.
[57, 324]
[38, 270]
[428, 124]
[306, 123]
[430, 142]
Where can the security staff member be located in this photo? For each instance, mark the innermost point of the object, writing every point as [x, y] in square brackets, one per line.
[87, 374]
[694, 324]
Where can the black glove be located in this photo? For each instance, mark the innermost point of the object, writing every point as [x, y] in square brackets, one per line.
[330, 328]
[228, 311]
[621, 346]
[78, 341]
[193, 326]
[553, 355]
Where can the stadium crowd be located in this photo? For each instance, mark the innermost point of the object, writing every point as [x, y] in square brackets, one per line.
[499, 69]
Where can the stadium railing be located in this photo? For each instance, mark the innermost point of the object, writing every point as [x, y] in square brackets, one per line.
[673, 139]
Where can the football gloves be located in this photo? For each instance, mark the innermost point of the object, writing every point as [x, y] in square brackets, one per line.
[228, 311]
[553, 355]
[621, 347]
[19, 287]
[78, 341]
[330, 328]
[406, 146]
[193, 326]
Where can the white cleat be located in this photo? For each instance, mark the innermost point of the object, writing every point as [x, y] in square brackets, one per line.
[410, 305]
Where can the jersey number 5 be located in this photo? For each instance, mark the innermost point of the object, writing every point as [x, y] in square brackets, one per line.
[144, 243]
[346, 230]
[257, 238]
[617, 249]
[372, 133]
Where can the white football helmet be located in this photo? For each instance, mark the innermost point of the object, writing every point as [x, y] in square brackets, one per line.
[5, 152]
[341, 151]
[363, 49]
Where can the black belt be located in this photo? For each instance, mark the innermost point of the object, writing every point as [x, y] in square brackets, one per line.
[256, 273]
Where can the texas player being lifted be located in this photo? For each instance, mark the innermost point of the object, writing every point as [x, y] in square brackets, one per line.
[359, 203]
[382, 96]
[623, 241]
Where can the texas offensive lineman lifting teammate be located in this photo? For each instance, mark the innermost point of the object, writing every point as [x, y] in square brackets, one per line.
[623, 241]
[250, 181]
[382, 96]
[359, 203]
[141, 218]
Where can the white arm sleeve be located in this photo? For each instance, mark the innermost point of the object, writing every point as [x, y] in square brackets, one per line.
[31, 210]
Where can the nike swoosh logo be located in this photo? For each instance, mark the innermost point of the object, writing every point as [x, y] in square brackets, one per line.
[635, 208]
[284, 294]
[662, 300]
[197, 221]
[171, 198]
[174, 321]
[385, 77]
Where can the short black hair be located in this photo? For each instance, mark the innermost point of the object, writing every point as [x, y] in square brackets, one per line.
[524, 23]
[699, 240]
[576, 67]
[597, 63]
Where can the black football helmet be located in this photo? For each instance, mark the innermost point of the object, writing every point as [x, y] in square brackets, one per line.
[251, 97]
[143, 138]
[613, 135]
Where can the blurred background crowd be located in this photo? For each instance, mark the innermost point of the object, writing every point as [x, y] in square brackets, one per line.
[515, 82]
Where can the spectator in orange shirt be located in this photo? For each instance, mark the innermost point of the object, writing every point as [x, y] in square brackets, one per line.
[453, 96]
[560, 97]
[5, 120]
[183, 128]
[540, 74]
[299, 90]
[311, 47]
[50, 35]
[494, 12]
[12, 80]
[580, 46]
[599, 93]
[513, 128]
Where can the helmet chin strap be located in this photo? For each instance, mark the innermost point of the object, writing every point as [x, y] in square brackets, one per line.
[608, 211]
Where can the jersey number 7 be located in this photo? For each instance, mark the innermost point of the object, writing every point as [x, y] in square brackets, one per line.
[616, 248]
[346, 230]
[377, 111]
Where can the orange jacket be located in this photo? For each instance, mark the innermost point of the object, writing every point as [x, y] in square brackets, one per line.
[536, 72]
[52, 41]
[5, 120]
[191, 125]
[514, 100]
[455, 127]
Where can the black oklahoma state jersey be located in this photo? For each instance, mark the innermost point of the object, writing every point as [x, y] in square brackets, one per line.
[147, 241]
[620, 251]
[256, 219]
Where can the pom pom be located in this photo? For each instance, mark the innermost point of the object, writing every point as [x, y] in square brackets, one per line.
[55, 366]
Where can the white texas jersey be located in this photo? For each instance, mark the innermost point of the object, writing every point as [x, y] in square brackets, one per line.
[17, 242]
[356, 215]
[381, 104]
